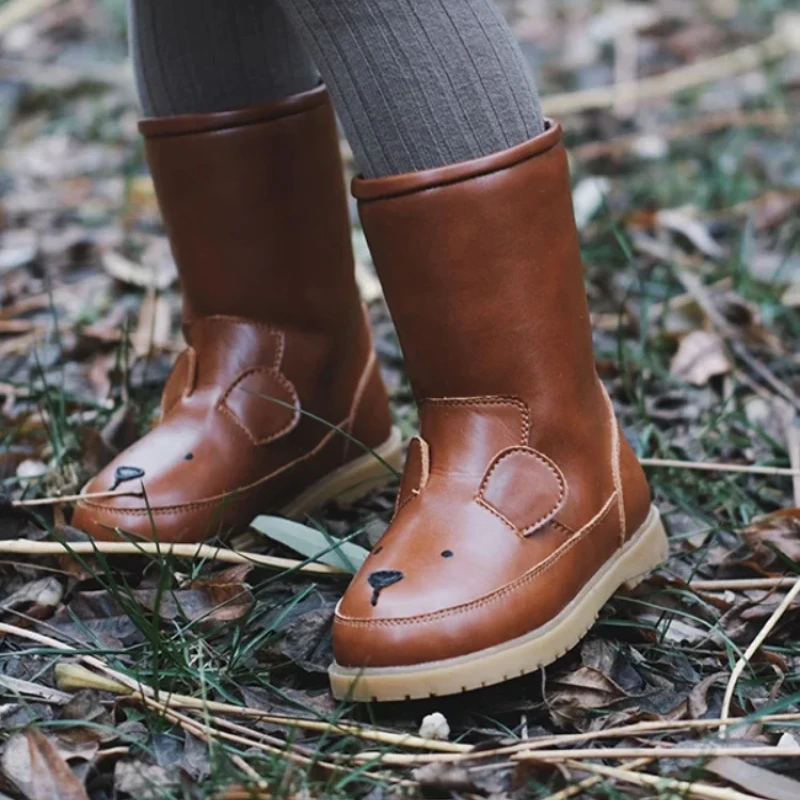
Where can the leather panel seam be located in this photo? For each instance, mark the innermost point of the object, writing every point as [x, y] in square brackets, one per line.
[488, 400]
[222, 405]
[497, 594]
[615, 464]
[198, 504]
[549, 464]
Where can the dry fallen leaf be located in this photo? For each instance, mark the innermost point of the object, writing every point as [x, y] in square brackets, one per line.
[761, 782]
[38, 598]
[123, 269]
[685, 221]
[777, 531]
[34, 765]
[700, 357]
[144, 781]
[153, 328]
[580, 692]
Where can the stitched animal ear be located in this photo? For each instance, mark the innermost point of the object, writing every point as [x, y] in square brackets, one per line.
[415, 474]
[523, 487]
[180, 383]
[264, 403]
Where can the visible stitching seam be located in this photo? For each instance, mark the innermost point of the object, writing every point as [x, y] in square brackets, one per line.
[180, 509]
[411, 495]
[223, 127]
[549, 464]
[424, 475]
[188, 387]
[363, 383]
[562, 527]
[615, 464]
[488, 400]
[478, 177]
[492, 597]
[223, 406]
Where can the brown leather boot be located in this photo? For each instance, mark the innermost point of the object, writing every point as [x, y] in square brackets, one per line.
[255, 207]
[522, 508]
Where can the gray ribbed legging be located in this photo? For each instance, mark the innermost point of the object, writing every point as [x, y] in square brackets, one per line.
[416, 83]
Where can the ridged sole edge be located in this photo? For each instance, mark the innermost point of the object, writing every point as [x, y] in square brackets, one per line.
[646, 549]
[351, 481]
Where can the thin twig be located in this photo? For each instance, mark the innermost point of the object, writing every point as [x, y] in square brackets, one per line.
[560, 740]
[680, 788]
[691, 127]
[137, 689]
[700, 751]
[70, 498]
[695, 287]
[255, 740]
[203, 552]
[712, 467]
[587, 783]
[753, 649]
[776, 45]
[744, 59]
[741, 584]
[793, 448]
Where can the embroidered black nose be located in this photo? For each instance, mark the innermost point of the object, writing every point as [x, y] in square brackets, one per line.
[382, 579]
[123, 474]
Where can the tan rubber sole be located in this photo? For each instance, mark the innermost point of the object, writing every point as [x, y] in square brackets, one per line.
[352, 481]
[644, 551]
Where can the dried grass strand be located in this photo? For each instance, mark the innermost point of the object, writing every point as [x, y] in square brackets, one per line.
[741, 584]
[559, 740]
[140, 690]
[680, 788]
[753, 469]
[738, 668]
[770, 48]
[588, 783]
[202, 552]
[700, 751]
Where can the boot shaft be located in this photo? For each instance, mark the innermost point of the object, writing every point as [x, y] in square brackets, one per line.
[481, 267]
[254, 204]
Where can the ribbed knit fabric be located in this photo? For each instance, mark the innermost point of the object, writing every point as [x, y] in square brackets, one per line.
[417, 84]
[420, 83]
[199, 56]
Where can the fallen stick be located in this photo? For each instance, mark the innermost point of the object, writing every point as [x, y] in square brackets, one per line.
[700, 751]
[587, 783]
[695, 287]
[792, 429]
[741, 584]
[70, 498]
[136, 689]
[559, 740]
[202, 552]
[256, 740]
[754, 469]
[778, 44]
[752, 650]
[680, 788]
[696, 127]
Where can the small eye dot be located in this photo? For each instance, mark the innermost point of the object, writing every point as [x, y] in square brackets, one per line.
[447, 553]
[189, 456]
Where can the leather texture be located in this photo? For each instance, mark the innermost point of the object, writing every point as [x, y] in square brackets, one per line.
[520, 486]
[255, 207]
